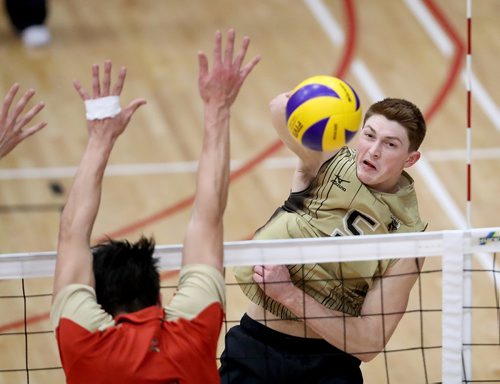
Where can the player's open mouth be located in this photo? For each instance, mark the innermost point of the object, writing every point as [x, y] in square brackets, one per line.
[368, 164]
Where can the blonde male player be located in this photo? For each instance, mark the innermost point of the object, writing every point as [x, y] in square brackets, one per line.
[106, 309]
[316, 323]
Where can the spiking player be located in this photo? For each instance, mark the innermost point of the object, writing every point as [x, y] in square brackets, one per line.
[316, 323]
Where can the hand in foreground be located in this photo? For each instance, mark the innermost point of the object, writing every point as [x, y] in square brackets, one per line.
[277, 105]
[12, 125]
[112, 125]
[223, 82]
[274, 280]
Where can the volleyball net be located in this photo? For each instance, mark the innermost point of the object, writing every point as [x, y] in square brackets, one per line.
[450, 332]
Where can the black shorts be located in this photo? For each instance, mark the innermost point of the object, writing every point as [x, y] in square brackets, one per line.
[256, 354]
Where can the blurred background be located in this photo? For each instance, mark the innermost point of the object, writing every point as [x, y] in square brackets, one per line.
[400, 48]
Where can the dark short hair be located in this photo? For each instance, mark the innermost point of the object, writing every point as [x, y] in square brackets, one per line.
[126, 275]
[403, 112]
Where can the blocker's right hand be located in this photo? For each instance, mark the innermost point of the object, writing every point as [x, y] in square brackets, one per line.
[222, 83]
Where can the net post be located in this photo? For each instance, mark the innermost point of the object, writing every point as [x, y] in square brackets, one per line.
[452, 295]
[467, 314]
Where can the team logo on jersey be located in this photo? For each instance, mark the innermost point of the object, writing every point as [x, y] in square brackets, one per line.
[394, 225]
[338, 182]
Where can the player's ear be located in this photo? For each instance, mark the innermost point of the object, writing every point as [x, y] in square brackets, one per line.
[412, 159]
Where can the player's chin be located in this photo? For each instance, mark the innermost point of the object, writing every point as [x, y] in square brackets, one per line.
[367, 176]
[364, 171]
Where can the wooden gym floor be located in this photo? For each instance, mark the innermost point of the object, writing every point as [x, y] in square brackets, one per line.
[382, 48]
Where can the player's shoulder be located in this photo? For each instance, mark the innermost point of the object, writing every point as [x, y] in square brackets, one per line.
[345, 153]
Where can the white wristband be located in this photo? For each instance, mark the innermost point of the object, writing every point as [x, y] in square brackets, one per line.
[102, 108]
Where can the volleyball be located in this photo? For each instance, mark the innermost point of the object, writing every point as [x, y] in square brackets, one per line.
[323, 113]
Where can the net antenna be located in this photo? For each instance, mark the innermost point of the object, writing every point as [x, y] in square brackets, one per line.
[467, 262]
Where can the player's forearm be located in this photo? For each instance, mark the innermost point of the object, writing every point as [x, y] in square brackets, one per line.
[213, 168]
[74, 259]
[204, 234]
[360, 336]
[81, 208]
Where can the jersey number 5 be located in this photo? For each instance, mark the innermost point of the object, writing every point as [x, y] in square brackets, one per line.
[355, 224]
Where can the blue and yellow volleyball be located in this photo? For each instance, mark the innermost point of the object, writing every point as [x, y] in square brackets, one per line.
[323, 113]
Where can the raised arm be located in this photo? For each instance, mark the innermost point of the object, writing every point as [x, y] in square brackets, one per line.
[309, 161]
[203, 242]
[13, 125]
[74, 258]
[364, 336]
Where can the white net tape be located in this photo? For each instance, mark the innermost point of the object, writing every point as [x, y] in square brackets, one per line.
[295, 251]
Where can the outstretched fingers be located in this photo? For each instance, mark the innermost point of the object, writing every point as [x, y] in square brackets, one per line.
[30, 131]
[132, 107]
[99, 91]
[238, 61]
[96, 84]
[217, 48]
[106, 83]
[79, 88]
[12, 125]
[21, 104]
[117, 89]
[202, 64]
[245, 71]
[227, 74]
[25, 120]
[7, 101]
[229, 47]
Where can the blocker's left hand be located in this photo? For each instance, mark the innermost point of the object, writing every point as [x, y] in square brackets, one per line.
[109, 126]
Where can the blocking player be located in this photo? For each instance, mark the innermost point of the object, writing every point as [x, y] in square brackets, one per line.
[107, 313]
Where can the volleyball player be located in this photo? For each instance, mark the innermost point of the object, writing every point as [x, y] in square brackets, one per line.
[13, 123]
[315, 323]
[106, 310]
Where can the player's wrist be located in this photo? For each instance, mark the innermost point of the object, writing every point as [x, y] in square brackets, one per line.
[217, 114]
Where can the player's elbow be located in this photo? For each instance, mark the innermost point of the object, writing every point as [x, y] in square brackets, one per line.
[374, 335]
[371, 350]
[368, 356]
[369, 346]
